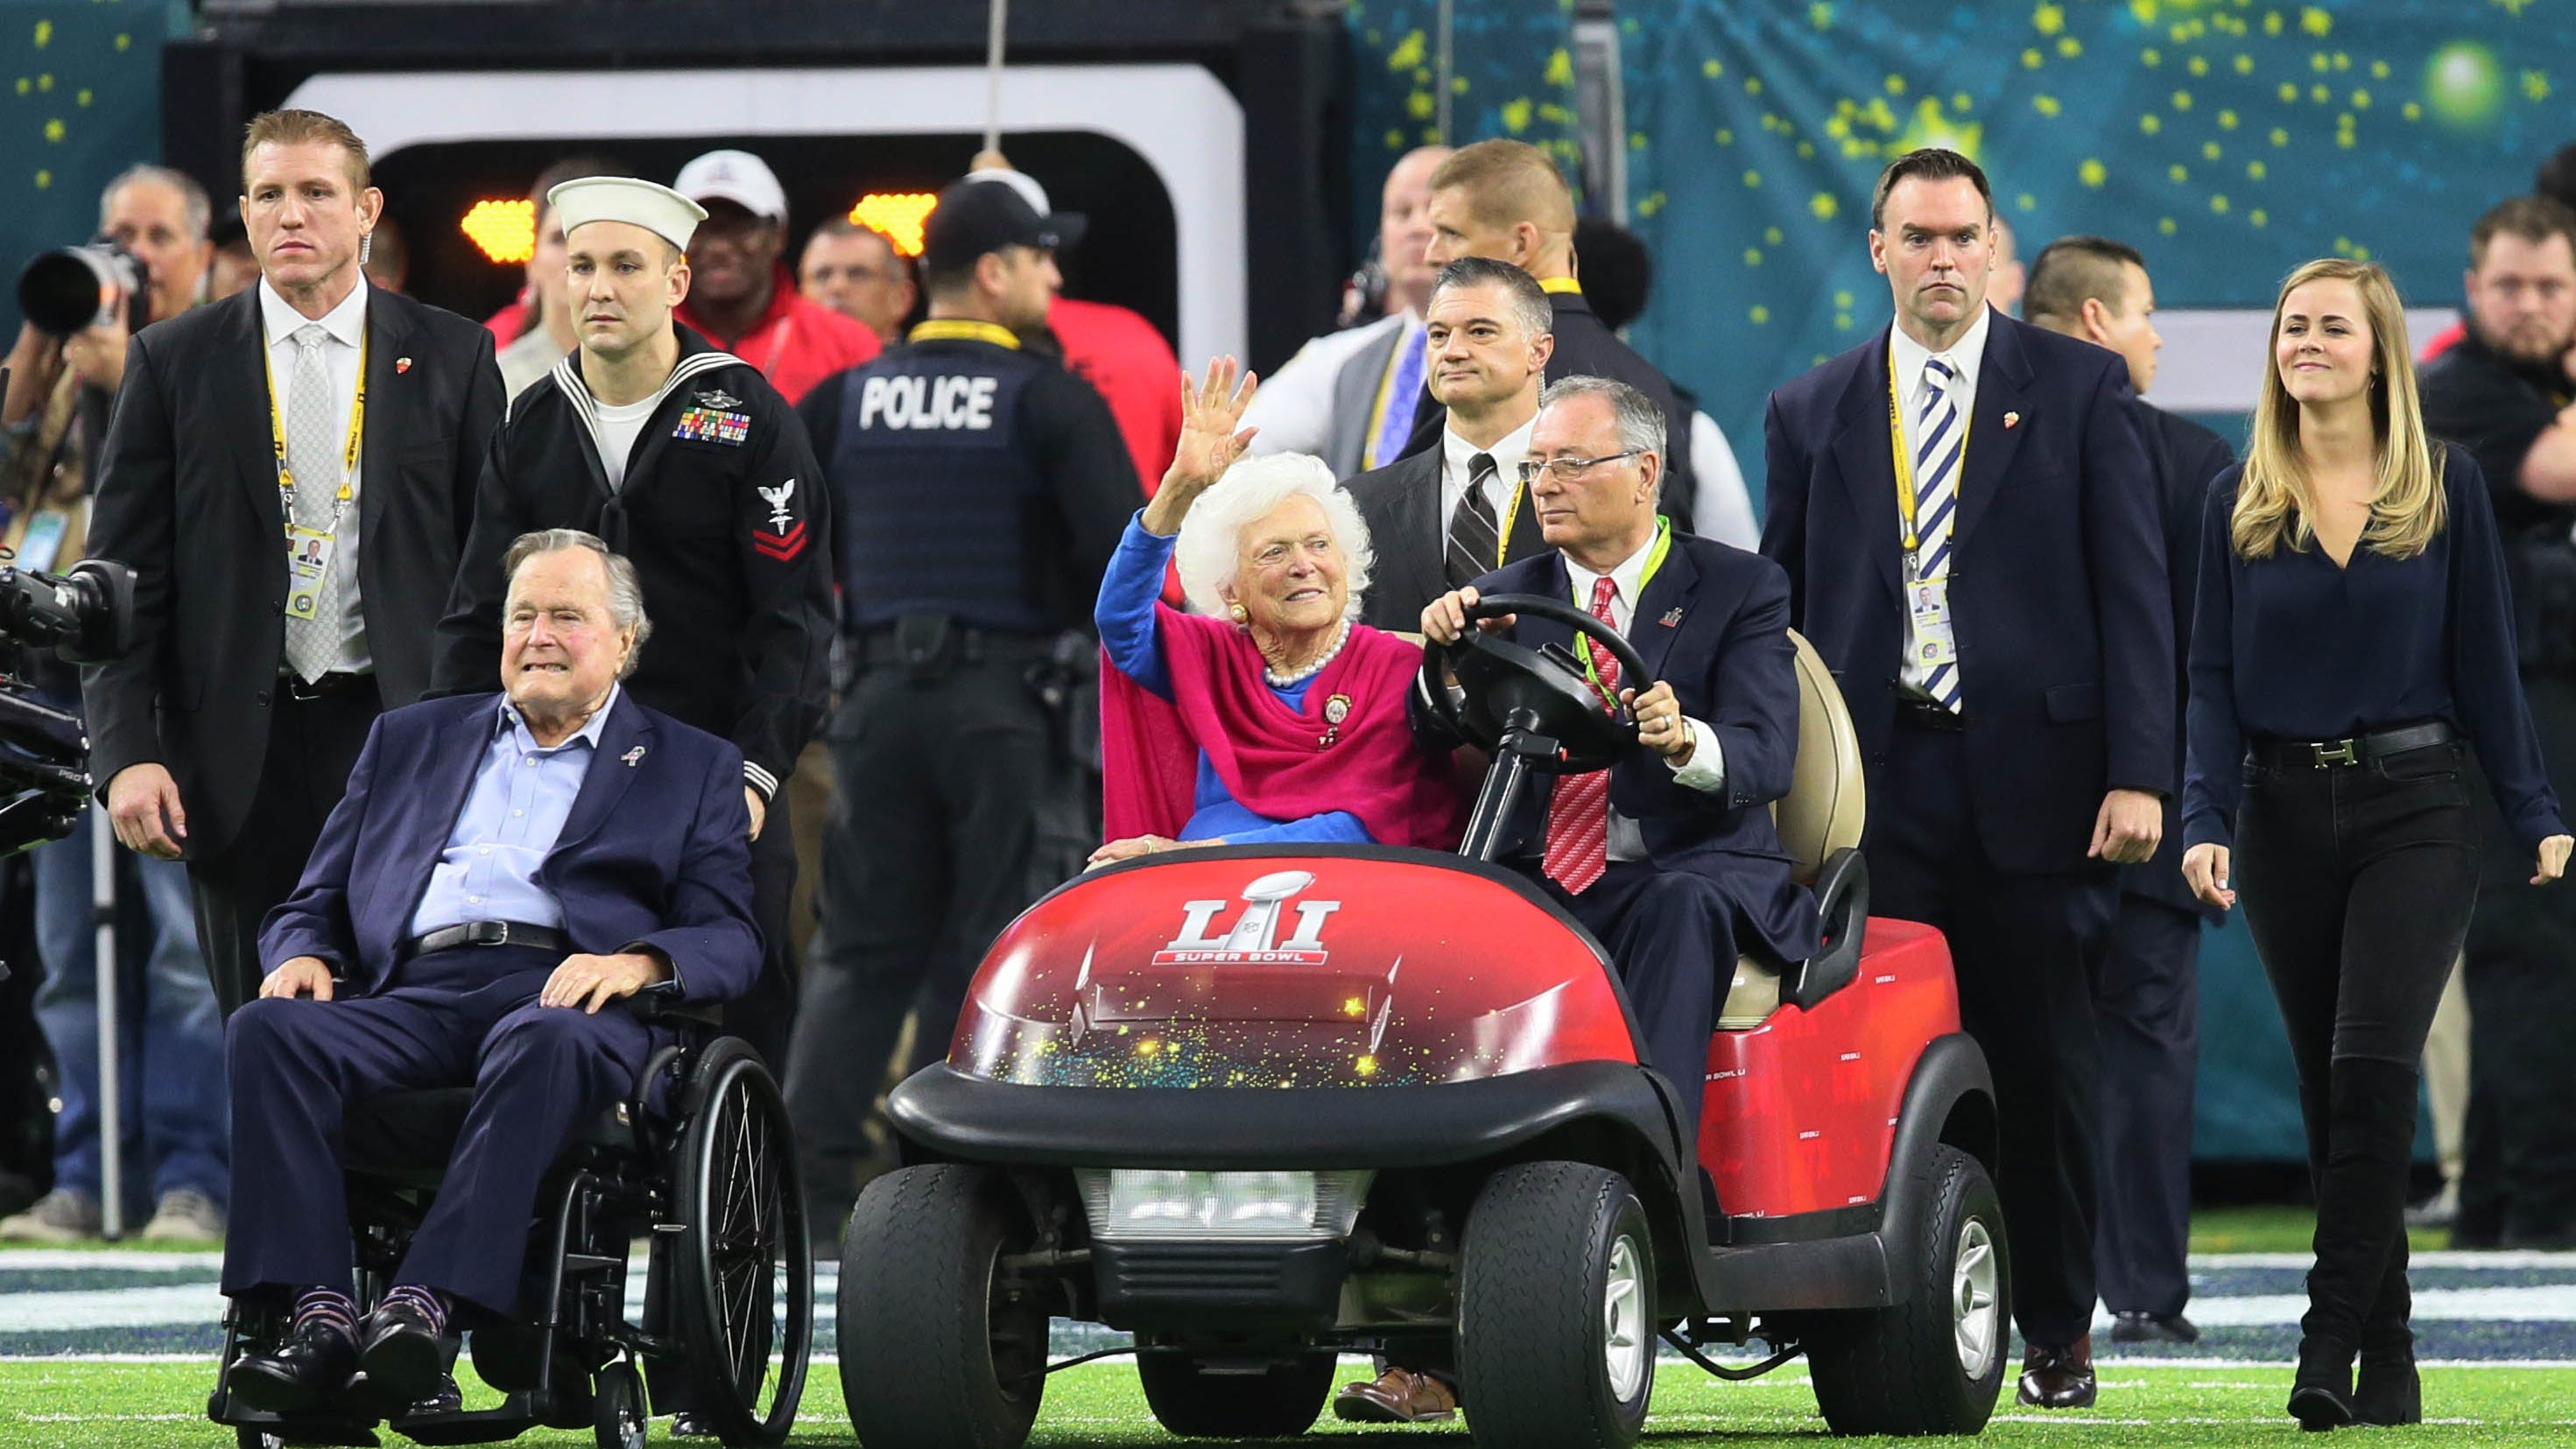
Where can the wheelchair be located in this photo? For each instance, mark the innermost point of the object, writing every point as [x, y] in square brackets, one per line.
[698, 1162]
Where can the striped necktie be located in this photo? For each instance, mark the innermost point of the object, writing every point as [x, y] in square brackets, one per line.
[1474, 537]
[1937, 447]
[1578, 811]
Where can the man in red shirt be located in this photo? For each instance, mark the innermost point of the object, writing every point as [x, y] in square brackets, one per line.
[1115, 350]
[742, 298]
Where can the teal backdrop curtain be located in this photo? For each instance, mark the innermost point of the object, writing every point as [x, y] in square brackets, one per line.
[80, 91]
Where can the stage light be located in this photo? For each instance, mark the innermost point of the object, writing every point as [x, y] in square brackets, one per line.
[899, 214]
[504, 231]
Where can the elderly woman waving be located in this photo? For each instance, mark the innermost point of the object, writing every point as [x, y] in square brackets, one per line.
[1268, 715]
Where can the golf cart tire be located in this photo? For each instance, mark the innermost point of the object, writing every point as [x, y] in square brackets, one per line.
[1900, 1370]
[1533, 1343]
[924, 1364]
[1194, 1403]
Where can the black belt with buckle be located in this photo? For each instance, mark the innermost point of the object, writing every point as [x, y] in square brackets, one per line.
[489, 933]
[324, 686]
[2342, 754]
[1925, 714]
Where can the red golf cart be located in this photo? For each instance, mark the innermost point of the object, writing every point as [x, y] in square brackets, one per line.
[1264, 1107]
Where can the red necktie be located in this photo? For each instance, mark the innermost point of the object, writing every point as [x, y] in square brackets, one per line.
[1578, 814]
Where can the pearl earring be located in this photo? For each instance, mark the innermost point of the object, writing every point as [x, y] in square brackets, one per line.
[1238, 613]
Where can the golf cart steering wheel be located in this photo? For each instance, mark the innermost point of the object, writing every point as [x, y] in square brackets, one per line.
[1541, 692]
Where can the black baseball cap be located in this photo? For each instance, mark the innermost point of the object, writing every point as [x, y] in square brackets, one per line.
[976, 217]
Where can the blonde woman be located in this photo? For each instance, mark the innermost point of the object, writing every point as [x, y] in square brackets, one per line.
[2354, 633]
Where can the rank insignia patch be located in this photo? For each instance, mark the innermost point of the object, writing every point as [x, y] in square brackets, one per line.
[712, 425]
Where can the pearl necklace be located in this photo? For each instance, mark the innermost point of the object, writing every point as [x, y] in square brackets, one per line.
[1283, 681]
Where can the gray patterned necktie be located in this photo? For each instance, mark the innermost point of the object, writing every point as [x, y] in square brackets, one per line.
[313, 457]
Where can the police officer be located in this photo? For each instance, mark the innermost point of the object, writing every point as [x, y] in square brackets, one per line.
[981, 491]
[688, 462]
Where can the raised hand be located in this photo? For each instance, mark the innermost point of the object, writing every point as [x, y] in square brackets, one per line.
[1212, 437]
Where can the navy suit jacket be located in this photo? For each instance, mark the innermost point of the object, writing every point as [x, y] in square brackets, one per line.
[1731, 666]
[656, 852]
[2058, 586]
[2186, 457]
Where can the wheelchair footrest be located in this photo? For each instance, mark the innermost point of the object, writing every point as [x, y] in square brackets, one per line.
[470, 1426]
[305, 1428]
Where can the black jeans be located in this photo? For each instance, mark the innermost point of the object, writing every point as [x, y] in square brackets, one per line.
[2358, 883]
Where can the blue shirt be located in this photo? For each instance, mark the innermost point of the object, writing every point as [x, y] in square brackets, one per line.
[521, 796]
[2291, 647]
[1128, 632]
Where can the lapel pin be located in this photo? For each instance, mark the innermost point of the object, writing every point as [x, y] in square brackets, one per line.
[633, 755]
[1673, 617]
[2012, 420]
[402, 364]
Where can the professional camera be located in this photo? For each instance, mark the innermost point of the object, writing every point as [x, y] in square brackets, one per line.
[87, 616]
[71, 289]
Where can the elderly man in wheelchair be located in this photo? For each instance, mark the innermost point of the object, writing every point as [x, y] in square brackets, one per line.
[504, 941]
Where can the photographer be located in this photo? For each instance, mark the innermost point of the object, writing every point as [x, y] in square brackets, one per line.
[60, 390]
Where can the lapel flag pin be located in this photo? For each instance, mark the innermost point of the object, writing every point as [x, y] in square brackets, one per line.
[633, 755]
[2012, 419]
[1672, 618]
[402, 364]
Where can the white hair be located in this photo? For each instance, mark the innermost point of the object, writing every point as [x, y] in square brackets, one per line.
[1210, 547]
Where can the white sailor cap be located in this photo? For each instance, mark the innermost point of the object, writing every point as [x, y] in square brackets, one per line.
[655, 207]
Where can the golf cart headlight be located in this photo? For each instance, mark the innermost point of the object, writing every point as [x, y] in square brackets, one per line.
[1131, 1203]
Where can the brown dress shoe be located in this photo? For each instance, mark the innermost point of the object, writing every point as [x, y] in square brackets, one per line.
[1398, 1396]
[2059, 1378]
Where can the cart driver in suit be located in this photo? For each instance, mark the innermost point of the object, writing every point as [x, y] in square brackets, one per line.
[1668, 857]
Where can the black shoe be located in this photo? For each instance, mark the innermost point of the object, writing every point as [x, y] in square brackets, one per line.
[402, 1354]
[2153, 1328]
[313, 1364]
[2388, 1392]
[2321, 1396]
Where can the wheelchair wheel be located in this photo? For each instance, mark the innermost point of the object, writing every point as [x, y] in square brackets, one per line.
[617, 1413]
[745, 1284]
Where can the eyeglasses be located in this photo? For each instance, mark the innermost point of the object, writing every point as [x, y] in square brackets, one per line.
[1569, 470]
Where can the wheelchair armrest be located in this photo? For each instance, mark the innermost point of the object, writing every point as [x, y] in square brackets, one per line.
[654, 1006]
[1842, 899]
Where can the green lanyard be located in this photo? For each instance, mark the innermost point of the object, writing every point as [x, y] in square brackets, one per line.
[1662, 545]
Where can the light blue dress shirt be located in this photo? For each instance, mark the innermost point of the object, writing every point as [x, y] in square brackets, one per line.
[522, 794]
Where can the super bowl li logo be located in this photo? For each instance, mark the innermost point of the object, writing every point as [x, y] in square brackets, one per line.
[1254, 937]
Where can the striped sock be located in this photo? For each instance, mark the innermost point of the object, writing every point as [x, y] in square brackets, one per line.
[330, 1307]
[429, 1303]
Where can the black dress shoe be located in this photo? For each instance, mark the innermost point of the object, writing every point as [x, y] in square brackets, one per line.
[2059, 1378]
[2153, 1328]
[402, 1354]
[313, 1364]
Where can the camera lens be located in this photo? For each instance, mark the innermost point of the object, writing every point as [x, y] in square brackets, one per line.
[63, 291]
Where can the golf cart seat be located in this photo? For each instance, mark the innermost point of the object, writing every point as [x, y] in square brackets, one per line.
[1820, 822]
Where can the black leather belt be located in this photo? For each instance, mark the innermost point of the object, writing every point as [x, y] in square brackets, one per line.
[1923, 714]
[489, 933]
[964, 645]
[2360, 749]
[337, 682]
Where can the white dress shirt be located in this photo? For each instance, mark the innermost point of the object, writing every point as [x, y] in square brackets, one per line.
[1965, 358]
[347, 326]
[1457, 465]
[1706, 771]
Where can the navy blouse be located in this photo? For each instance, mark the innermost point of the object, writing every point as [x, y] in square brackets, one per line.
[2292, 647]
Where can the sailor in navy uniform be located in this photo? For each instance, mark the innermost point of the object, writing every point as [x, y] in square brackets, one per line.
[686, 460]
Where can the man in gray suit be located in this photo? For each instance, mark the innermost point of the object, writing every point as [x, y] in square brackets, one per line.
[1449, 515]
[1347, 397]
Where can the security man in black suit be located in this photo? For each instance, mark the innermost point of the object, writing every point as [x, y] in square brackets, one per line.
[1445, 517]
[688, 462]
[2147, 1005]
[1973, 544]
[982, 489]
[312, 417]
[1506, 200]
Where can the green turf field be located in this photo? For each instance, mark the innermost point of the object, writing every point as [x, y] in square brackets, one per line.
[151, 1405]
